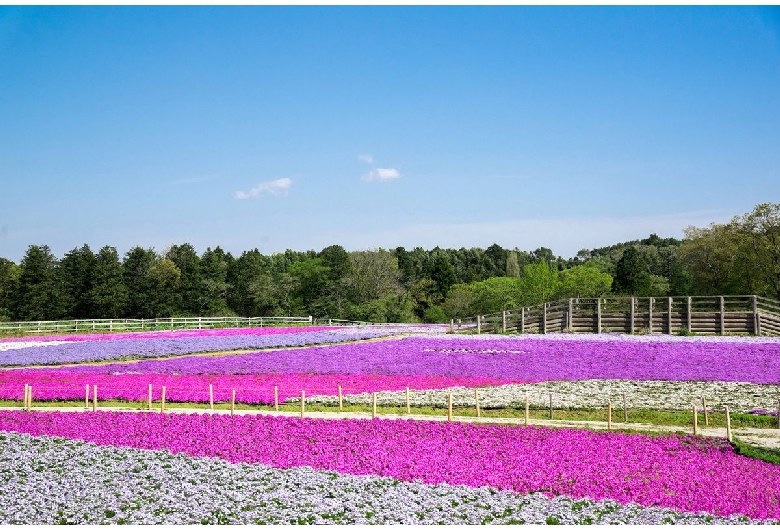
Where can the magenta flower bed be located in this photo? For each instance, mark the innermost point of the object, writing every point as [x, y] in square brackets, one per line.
[679, 472]
[254, 389]
[515, 359]
[175, 334]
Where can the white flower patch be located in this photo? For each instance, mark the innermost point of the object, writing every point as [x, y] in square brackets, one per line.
[7, 346]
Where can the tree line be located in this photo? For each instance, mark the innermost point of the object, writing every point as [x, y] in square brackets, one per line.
[395, 285]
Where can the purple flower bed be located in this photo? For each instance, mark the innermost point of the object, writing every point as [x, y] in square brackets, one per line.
[509, 359]
[679, 472]
[206, 341]
[171, 334]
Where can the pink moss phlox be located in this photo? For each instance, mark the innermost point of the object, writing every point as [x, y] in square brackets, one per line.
[679, 472]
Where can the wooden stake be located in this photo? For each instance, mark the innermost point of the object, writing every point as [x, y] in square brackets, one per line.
[341, 399]
[24, 399]
[625, 410]
[449, 407]
[276, 398]
[408, 408]
[695, 420]
[162, 401]
[303, 402]
[94, 398]
[609, 416]
[86, 396]
[476, 401]
[233, 402]
[778, 414]
[149, 399]
[706, 415]
[211, 396]
[373, 405]
[29, 398]
[728, 425]
[526, 409]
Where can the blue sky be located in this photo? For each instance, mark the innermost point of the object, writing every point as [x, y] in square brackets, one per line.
[303, 127]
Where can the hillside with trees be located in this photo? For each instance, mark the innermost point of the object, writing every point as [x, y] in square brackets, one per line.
[393, 285]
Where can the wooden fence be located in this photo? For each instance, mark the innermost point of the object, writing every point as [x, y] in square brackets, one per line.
[129, 324]
[702, 315]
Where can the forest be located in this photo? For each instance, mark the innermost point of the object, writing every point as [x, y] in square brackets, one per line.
[387, 285]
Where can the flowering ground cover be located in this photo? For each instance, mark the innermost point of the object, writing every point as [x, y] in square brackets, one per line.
[251, 388]
[678, 472]
[62, 352]
[519, 359]
[44, 480]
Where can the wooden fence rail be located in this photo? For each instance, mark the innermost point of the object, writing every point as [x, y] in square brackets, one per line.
[703, 315]
[129, 324]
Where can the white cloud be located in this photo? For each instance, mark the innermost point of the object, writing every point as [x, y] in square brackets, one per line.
[381, 174]
[274, 187]
[368, 159]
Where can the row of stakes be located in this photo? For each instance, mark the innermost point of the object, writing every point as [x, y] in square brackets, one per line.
[27, 405]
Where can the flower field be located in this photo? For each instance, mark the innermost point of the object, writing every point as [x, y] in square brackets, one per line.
[44, 480]
[270, 469]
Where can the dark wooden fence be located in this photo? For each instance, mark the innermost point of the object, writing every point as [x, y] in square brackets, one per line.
[703, 315]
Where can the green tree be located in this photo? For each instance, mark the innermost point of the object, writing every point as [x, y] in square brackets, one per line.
[214, 265]
[512, 265]
[9, 276]
[140, 288]
[190, 284]
[760, 247]
[583, 281]
[539, 283]
[166, 297]
[78, 271]
[311, 279]
[108, 295]
[40, 293]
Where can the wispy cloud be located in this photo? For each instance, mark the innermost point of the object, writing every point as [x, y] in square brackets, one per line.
[368, 159]
[191, 180]
[381, 174]
[274, 187]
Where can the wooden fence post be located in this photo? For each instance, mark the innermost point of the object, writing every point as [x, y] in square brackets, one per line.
[650, 315]
[211, 396]
[303, 402]
[476, 401]
[522, 320]
[162, 400]
[94, 398]
[86, 396]
[609, 416]
[695, 420]
[669, 317]
[479, 325]
[544, 319]
[633, 314]
[756, 321]
[276, 398]
[598, 315]
[233, 402]
[452, 325]
[449, 407]
[408, 408]
[688, 314]
[373, 405]
[149, 399]
[29, 398]
[728, 425]
[570, 316]
[526, 409]
[722, 316]
[778, 414]
[341, 399]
